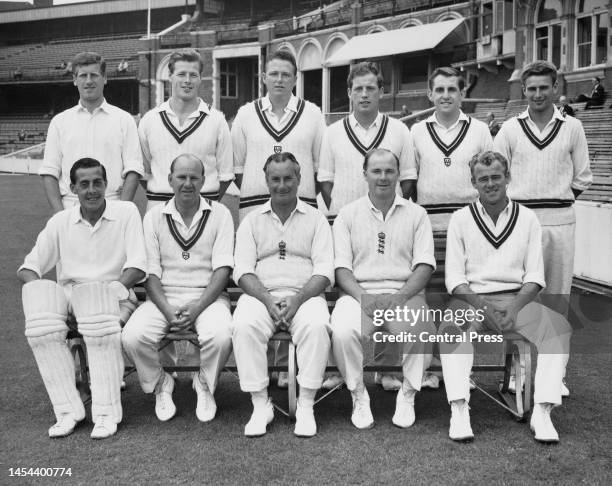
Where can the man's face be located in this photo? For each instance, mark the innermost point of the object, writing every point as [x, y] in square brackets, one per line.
[90, 82]
[446, 95]
[382, 175]
[491, 182]
[540, 92]
[365, 94]
[282, 181]
[90, 188]
[186, 180]
[280, 77]
[185, 80]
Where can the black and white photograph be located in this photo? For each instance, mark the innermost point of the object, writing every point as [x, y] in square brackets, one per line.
[306, 242]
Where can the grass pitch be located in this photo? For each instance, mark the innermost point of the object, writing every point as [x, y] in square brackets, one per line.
[184, 451]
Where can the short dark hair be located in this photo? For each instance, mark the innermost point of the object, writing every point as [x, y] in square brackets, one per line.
[378, 151]
[539, 68]
[193, 157]
[487, 158]
[282, 157]
[188, 55]
[362, 69]
[283, 55]
[447, 72]
[85, 163]
[87, 58]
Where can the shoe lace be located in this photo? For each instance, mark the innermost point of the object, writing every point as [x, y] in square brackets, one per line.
[101, 421]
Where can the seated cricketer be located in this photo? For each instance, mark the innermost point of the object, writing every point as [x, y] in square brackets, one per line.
[284, 261]
[190, 241]
[494, 265]
[384, 258]
[98, 250]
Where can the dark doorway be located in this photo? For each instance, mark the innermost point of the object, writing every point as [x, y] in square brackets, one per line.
[313, 86]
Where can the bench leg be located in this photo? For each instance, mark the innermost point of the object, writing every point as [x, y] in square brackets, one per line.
[292, 388]
[77, 349]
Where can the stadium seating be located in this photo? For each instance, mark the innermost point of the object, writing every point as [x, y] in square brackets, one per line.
[40, 61]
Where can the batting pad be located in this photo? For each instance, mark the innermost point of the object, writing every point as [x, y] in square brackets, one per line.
[106, 372]
[56, 368]
[45, 308]
[96, 309]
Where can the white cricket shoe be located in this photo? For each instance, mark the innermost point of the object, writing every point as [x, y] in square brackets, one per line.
[206, 407]
[164, 406]
[63, 427]
[460, 429]
[260, 419]
[362, 415]
[305, 425]
[542, 425]
[103, 428]
[388, 382]
[430, 381]
[333, 380]
[404, 408]
[283, 379]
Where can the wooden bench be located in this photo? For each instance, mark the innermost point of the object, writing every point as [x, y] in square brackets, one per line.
[517, 354]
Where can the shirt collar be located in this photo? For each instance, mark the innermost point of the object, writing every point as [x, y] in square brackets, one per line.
[483, 211]
[354, 123]
[170, 208]
[434, 119]
[266, 104]
[165, 106]
[398, 201]
[108, 214]
[556, 115]
[267, 207]
[103, 107]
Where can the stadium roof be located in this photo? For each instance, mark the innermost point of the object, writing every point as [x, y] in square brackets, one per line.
[95, 8]
[392, 42]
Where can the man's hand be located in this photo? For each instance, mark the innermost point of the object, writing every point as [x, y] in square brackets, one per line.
[289, 306]
[507, 315]
[274, 307]
[185, 316]
[494, 315]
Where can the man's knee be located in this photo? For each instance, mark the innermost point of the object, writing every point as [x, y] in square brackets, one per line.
[96, 309]
[45, 308]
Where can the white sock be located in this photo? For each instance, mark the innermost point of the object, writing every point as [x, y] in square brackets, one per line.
[259, 398]
[307, 396]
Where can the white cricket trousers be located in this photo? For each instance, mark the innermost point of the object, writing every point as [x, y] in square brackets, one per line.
[548, 330]
[253, 328]
[350, 325]
[148, 326]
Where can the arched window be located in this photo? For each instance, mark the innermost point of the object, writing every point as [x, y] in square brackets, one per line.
[591, 32]
[548, 31]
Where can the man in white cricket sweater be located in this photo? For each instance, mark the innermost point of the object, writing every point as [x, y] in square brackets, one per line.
[344, 145]
[185, 124]
[444, 143]
[98, 250]
[384, 257]
[494, 267]
[278, 122]
[284, 262]
[189, 243]
[549, 157]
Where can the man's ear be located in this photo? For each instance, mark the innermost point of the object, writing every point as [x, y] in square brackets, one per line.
[73, 188]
